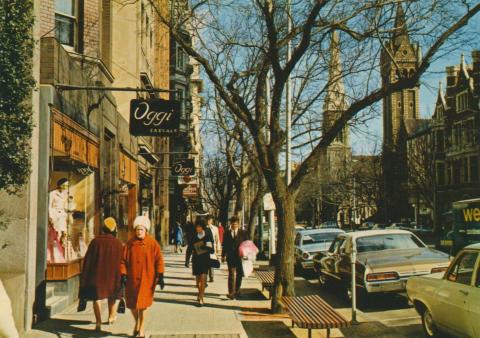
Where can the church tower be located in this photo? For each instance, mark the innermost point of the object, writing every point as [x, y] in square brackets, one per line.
[334, 104]
[335, 159]
[399, 59]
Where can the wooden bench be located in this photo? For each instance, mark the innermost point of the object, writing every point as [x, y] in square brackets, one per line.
[312, 312]
[267, 278]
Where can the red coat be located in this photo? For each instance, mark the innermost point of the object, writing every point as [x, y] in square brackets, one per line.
[100, 277]
[142, 260]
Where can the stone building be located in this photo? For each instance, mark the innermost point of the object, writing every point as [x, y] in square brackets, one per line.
[82, 134]
[399, 59]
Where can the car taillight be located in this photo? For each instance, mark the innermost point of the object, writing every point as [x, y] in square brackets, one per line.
[306, 255]
[437, 270]
[377, 277]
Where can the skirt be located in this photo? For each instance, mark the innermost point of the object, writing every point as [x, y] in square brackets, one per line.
[200, 264]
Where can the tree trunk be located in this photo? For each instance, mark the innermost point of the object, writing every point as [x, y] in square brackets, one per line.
[256, 204]
[284, 274]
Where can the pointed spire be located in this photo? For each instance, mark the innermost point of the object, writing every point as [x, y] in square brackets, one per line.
[441, 95]
[463, 67]
[400, 33]
[335, 98]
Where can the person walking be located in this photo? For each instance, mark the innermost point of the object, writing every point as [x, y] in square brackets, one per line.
[100, 277]
[200, 248]
[178, 234]
[217, 246]
[142, 267]
[232, 240]
[221, 232]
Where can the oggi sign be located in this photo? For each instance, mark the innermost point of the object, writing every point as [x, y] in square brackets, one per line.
[183, 167]
[154, 117]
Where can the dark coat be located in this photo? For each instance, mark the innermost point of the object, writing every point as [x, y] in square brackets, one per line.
[141, 262]
[230, 247]
[200, 260]
[101, 269]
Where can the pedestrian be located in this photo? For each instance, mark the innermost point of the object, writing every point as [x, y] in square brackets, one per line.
[100, 275]
[142, 267]
[221, 232]
[200, 248]
[217, 246]
[178, 233]
[233, 238]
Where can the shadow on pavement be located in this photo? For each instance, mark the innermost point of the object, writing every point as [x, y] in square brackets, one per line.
[267, 329]
[378, 330]
[183, 293]
[194, 303]
[252, 294]
[181, 285]
[61, 327]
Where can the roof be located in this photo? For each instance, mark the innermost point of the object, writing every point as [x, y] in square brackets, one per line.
[475, 246]
[473, 200]
[368, 233]
[313, 231]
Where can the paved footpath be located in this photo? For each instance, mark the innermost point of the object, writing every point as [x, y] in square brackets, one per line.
[173, 314]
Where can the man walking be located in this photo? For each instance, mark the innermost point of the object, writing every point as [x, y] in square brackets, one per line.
[232, 240]
[217, 246]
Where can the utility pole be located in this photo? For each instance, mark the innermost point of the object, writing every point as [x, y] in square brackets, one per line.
[288, 108]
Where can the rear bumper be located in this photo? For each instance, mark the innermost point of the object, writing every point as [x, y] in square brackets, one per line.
[397, 285]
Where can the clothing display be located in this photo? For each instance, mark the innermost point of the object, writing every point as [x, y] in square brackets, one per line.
[57, 209]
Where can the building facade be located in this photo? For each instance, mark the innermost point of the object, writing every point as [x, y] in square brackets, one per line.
[399, 59]
[92, 58]
[449, 145]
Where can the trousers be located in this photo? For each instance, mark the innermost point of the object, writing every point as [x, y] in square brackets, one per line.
[234, 280]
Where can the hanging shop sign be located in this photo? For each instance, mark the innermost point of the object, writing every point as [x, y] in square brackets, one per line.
[183, 167]
[190, 191]
[154, 117]
[185, 180]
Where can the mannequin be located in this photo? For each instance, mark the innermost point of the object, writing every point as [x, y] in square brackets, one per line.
[57, 207]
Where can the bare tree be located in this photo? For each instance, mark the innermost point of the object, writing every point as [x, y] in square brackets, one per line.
[242, 45]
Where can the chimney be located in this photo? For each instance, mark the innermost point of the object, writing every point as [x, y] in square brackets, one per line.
[451, 76]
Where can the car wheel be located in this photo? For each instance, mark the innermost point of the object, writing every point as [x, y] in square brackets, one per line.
[428, 325]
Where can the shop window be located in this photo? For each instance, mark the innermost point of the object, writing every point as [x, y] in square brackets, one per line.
[66, 22]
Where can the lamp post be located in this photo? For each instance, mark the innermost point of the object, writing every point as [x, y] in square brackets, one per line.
[354, 283]
[288, 108]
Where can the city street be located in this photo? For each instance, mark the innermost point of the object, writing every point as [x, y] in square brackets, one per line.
[175, 314]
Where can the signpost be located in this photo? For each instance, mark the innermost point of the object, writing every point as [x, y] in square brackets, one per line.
[183, 167]
[154, 117]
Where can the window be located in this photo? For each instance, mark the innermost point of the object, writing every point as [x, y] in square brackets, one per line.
[316, 238]
[462, 101]
[388, 242]
[180, 58]
[336, 244]
[66, 22]
[462, 271]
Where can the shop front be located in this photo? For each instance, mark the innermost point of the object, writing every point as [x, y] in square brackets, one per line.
[127, 195]
[73, 209]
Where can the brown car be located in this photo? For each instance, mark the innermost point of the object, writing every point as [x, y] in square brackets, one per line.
[385, 260]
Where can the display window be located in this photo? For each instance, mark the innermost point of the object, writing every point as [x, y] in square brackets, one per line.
[72, 211]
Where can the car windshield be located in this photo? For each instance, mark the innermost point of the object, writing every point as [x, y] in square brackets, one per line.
[319, 238]
[388, 242]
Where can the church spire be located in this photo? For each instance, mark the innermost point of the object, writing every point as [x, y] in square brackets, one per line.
[335, 98]
[400, 33]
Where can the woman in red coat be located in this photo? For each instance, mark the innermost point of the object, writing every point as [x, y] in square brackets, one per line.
[100, 277]
[141, 268]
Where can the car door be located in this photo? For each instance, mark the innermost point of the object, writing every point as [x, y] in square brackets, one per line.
[474, 303]
[329, 264]
[451, 310]
[343, 263]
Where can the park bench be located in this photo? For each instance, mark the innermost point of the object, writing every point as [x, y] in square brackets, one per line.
[312, 312]
[267, 278]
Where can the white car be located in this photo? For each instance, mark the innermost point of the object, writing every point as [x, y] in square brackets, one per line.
[450, 302]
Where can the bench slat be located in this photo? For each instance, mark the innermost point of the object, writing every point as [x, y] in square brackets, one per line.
[312, 312]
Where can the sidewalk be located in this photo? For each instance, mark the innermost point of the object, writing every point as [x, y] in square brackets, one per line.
[174, 312]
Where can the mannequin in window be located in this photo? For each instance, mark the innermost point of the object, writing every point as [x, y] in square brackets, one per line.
[57, 207]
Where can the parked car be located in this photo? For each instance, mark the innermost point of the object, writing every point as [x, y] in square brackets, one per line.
[385, 260]
[329, 225]
[450, 301]
[310, 242]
